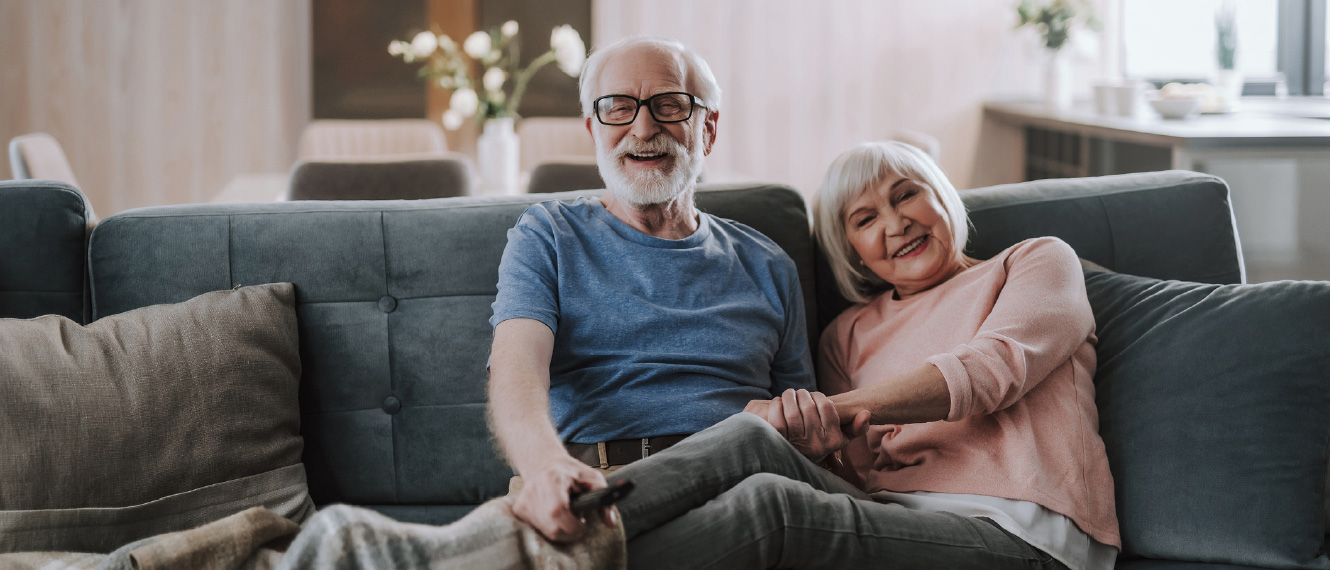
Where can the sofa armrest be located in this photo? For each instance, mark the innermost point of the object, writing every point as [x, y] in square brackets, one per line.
[1167, 225]
[44, 229]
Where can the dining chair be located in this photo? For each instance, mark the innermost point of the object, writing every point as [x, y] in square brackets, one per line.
[407, 177]
[550, 139]
[564, 173]
[39, 156]
[335, 139]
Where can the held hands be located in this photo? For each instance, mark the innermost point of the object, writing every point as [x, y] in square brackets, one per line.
[810, 422]
[544, 501]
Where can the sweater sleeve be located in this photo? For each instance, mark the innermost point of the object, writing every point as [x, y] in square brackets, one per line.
[831, 376]
[1039, 319]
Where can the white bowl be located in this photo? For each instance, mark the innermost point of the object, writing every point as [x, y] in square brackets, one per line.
[1176, 107]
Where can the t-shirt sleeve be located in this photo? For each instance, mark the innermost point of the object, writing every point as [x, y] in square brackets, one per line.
[528, 273]
[792, 366]
[1041, 317]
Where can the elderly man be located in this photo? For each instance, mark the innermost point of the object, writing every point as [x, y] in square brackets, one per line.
[628, 322]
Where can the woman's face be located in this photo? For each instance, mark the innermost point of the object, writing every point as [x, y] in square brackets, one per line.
[900, 231]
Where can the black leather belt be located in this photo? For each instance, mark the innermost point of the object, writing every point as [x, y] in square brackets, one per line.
[620, 451]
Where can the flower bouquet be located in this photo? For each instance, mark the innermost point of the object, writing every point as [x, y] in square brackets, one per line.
[497, 53]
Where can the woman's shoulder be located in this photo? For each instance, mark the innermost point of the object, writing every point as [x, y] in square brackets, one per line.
[1046, 249]
[842, 328]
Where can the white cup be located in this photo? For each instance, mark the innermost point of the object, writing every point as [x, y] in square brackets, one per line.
[1105, 102]
[1127, 97]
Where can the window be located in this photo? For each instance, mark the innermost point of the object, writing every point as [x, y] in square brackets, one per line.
[1176, 38]
[1278, 42]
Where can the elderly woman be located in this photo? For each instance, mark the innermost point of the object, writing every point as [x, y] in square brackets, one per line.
[983, 449]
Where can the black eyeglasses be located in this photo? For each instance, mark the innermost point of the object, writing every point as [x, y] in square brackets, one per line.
[673, 107]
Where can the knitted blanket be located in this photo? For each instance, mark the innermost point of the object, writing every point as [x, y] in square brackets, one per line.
[342, 537]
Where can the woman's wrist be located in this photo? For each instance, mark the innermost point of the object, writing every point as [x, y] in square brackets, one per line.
[846, 407]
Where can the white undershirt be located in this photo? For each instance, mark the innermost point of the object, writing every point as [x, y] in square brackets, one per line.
[1050, 532]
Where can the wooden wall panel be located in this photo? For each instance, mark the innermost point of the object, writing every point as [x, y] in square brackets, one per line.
[13, 74]
[457, 19]
[157, 101]
[805, 80]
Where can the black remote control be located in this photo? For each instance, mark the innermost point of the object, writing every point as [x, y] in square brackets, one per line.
[585, 503]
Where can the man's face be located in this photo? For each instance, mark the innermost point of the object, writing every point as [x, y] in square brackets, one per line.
[647, 162]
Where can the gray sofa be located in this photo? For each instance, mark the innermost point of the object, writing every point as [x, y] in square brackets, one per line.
[393, 299]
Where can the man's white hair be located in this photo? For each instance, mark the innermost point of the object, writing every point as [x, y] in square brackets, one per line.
[698, 78]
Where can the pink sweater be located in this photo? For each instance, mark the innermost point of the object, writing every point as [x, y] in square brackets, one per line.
[1014, 338]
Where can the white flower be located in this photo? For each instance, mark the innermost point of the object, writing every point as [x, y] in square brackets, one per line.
[446, 43]
[452, 120]
[493, 79]
[424, 44]
[477, 45]
[568, 48]
[464, 101]
[398, 47]
[509, 29]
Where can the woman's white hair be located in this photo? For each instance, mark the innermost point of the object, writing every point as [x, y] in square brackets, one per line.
[698, 76]
[850, 175]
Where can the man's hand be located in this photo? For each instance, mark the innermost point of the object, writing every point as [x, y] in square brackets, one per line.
[544, 501]
[810, 422]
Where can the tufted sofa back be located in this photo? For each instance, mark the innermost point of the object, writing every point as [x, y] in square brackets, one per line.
[393, 300]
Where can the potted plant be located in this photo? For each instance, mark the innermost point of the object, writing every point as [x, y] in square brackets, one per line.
[1228, 79]
[1056, 20]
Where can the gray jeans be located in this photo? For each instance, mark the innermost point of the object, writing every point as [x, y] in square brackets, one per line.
[737, 495]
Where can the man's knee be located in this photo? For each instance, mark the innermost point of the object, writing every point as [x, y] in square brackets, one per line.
[767, 496]
[752, 430]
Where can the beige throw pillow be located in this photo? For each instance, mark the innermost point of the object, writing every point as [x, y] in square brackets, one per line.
[154, 420]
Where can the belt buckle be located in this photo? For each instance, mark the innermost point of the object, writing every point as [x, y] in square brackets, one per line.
[646, 447]
[604, 456]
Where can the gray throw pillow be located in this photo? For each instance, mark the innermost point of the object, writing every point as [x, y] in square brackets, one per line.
[154, 420]
[1214, 404]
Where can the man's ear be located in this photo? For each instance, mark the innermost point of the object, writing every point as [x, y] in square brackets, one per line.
[591, 131]
[710, 125]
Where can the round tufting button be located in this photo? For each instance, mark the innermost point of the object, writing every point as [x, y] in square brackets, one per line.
[392, 405]
[387, 304]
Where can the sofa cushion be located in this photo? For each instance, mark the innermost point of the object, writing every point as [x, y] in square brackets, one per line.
[1214, 405]
[150, 421]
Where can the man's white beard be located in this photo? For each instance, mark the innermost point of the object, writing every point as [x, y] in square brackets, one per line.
[655, 186]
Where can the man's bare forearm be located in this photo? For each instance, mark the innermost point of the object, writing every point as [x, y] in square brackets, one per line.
[519, 410]
[520, 419]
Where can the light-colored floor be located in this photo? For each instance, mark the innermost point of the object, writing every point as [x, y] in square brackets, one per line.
[1309, 265]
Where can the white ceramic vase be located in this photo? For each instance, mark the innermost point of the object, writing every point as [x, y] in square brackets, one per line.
[1228, 90]
[497, 151]
[1057, 80]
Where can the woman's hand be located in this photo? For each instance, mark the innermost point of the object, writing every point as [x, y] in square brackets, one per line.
[810, 422]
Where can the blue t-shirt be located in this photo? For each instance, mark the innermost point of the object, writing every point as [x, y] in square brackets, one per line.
[653, 336]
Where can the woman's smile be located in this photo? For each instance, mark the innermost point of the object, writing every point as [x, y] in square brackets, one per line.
[913, 248]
